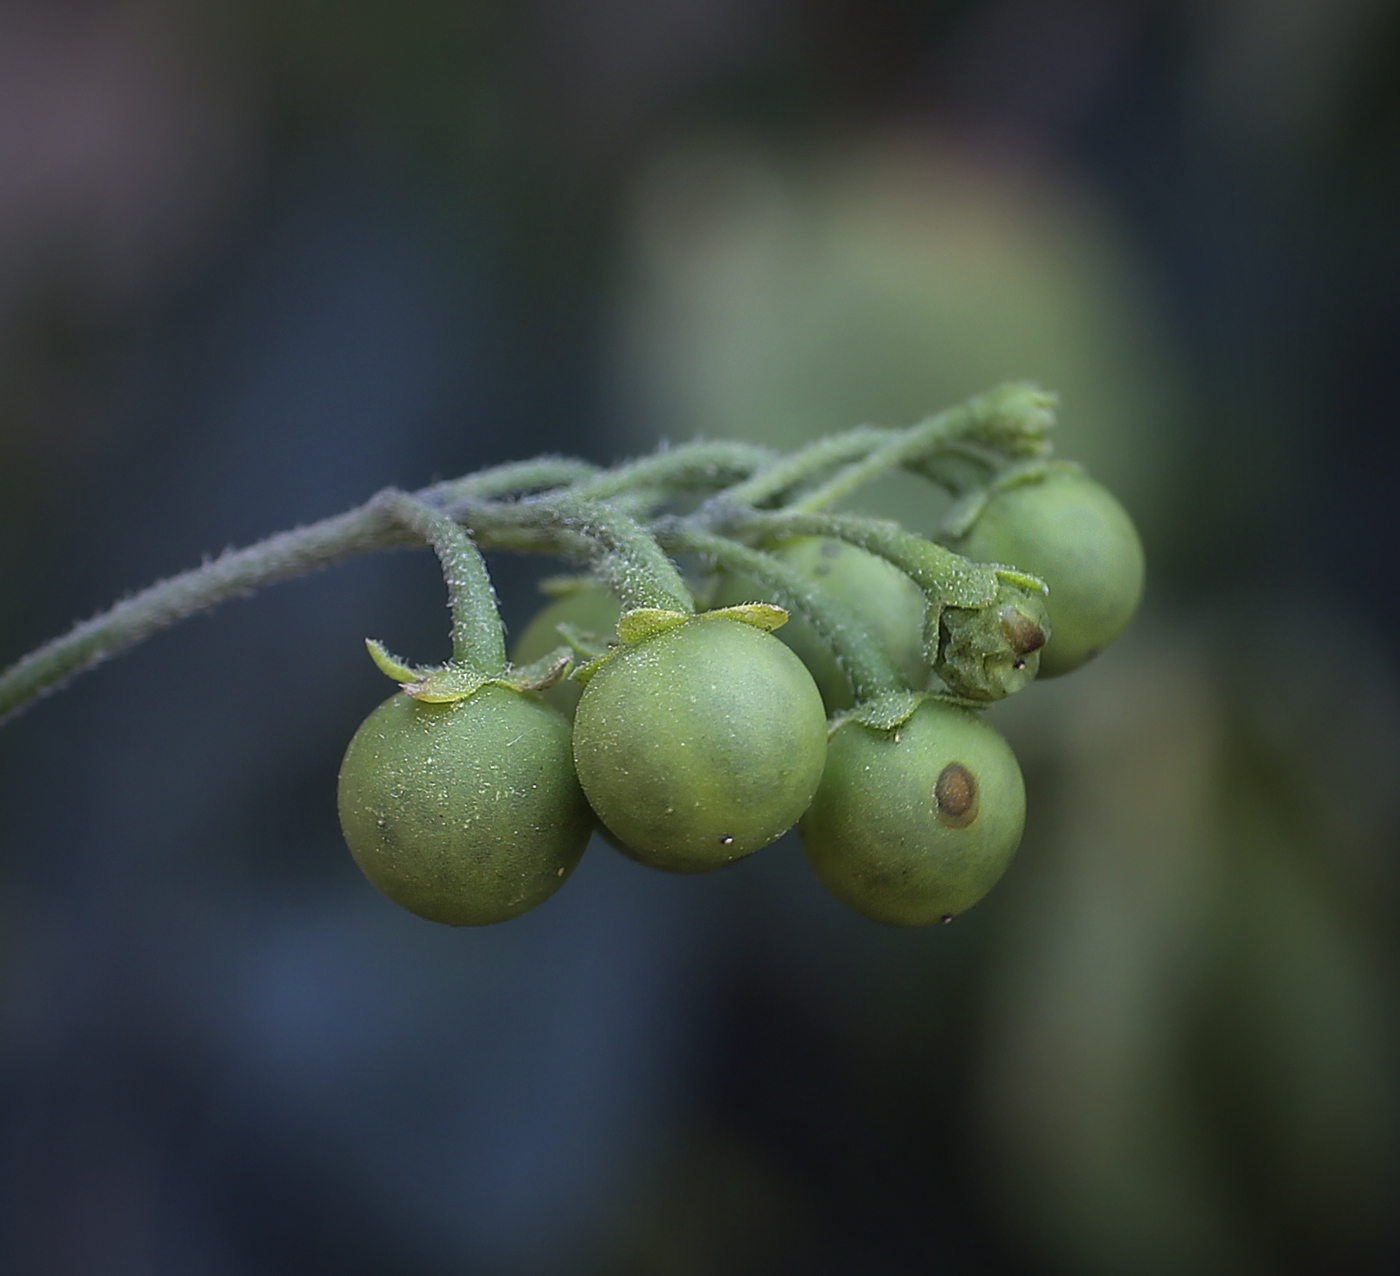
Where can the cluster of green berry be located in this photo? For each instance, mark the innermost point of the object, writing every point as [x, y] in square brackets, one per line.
[833, 681]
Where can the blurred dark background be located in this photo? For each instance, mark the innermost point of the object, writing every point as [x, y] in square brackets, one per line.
[259, 259]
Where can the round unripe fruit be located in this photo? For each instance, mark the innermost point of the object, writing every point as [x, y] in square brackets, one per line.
[1072, 533]
[915, 825]
[590, 609]
[870, 587]
[465, 813]
[700, 744]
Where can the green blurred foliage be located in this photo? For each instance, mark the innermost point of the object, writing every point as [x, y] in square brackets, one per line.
[1190, 1045]
[781, 297]
[1187, 1053]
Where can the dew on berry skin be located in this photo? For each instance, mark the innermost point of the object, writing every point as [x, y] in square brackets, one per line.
[946, 918]
[726, 839]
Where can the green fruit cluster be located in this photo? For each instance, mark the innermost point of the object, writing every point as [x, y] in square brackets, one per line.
[697, 744]
[832, 686]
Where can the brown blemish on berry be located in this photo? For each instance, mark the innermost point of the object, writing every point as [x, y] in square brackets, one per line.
[1024, 635]
[955, 796]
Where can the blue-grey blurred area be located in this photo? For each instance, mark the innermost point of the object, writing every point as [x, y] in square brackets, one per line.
[259, 260]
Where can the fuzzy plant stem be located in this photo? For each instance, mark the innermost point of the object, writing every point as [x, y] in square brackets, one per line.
[944, 577]
[1013, 418]
[692, 465]
[621, 552]
[478, 640]
[865, 662]
[366, 529]
[513, 479]
[799, 467]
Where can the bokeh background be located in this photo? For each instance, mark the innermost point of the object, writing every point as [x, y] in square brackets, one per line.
[259, 258]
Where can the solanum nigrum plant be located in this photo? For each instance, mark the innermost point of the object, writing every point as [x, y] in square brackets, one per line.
[694, 737]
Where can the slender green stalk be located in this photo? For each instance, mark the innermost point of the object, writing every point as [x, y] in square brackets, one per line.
[701, 464]
[945, 577]
[1013, 418]
[512, 479]
[478, 641]
[858, 652]
[622, 552]
[790, 471]
[281, 557]
[560, 509]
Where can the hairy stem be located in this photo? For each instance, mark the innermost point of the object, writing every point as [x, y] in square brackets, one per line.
[865, 662]
[701, 464]
[944, 577]
[366, 529]
[791, 471]
[1011, 418]
[512, 479]
[478, 641]
[240, 571]
[621, 552]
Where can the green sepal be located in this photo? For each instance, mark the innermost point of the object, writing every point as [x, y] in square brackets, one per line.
[454, 682]
[963, 513]
[391, 666]
[448, 684]
[764, 616]
[884, 713]
[439, 684]
[583, 674]
[642, 623]
[1032, 472]
[1022, 580]
[646, 622]
[540, 674]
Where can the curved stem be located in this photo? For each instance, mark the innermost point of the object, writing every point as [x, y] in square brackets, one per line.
[797, 468]
[240, 571]
[511, 479]
[366, 529]
[1012, 418]
[865, 662]
[478, 641]
[944, 577]
[701, 464]
[622, 552]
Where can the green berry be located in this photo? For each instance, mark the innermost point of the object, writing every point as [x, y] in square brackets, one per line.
[465, 813]
[914, 825]
[1072, 533]
[700, 744]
